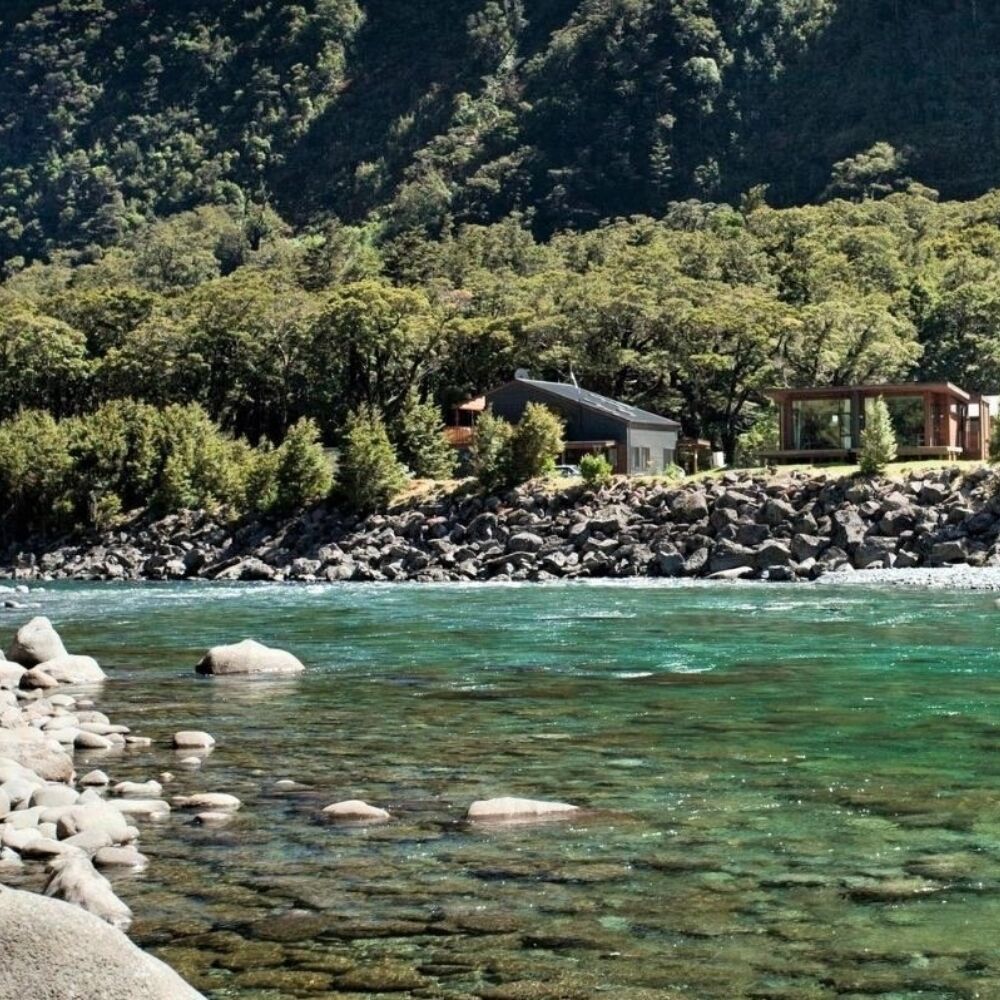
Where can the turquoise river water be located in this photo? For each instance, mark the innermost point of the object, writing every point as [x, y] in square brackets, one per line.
[795, 790]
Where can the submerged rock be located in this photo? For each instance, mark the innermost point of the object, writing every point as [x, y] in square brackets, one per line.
[213, 801]
[248, 657]
[515, 810]
[192, 739]
[53, 951]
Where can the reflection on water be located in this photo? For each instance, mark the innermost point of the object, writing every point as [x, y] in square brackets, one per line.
[796, 789]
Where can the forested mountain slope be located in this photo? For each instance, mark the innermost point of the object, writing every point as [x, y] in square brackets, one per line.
[113, 112]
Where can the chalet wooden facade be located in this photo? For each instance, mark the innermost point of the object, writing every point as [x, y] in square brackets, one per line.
[931, 420]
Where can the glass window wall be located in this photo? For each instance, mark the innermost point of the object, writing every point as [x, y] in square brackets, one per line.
[821, 424]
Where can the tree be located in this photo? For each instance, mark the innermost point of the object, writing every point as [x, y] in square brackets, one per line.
[302, 472]
[491, 451]
[878, 439]
[875, 173]
[370, 473]
[536, 443]
[422, 442]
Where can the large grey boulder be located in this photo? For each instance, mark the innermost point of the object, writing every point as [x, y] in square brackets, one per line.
[67, 669]
[35, 643]
[54, 951]
[10, 674]
[248, 657]
[37, 752]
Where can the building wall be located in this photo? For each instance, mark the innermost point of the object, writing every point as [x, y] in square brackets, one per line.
[582, 423]
[662, 447]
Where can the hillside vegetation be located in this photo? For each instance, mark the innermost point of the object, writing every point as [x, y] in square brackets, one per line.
[278, 212]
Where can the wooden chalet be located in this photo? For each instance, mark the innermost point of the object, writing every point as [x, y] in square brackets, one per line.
[931, 420]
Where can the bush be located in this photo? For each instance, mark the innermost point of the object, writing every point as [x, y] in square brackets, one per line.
[422, 443]
[762, 437]
[491, 451]
[536, 443]
[994, 438]
[878, 439]
[673, 472]
[302, 472]
[36, 473]
[595, 469]
[370, 472]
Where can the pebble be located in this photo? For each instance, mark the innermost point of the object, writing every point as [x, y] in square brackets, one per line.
[355, 811]
[91, 741]
[138, 789]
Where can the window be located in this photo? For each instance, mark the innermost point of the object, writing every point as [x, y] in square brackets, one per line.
[821, 424]
[907, 416]
[641, 458]
[668, 458]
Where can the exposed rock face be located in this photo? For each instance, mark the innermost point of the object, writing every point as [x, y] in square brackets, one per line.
[248, 657]
[53, 951]
[36, 643]
[732, 526]
[514, 810]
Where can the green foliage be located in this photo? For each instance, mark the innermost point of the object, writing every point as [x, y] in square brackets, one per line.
[370, 472]
[595, 469]
[762, 437]
[878, 439]
[422, 442]
[994, 455]
[35, 474]
[302, 472]
[536, 443]
[491, 451]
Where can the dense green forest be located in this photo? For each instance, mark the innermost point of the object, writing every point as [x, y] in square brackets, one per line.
[280, 212]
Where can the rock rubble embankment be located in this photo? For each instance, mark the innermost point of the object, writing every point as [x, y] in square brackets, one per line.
[792, 527]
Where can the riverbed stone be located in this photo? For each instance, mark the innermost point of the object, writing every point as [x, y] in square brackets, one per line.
[138, 789]
[355, 811]
[517, 810]
[95, 779]
[32, 749]
[191, 739]
[98, 816]
[120, 857]
[68, 669]
[215, 801]
[75, 880]
[248, 657]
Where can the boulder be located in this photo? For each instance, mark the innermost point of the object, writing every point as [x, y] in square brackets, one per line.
[75, 880]
[192, 739]
[138, 789]
[248, 657]
[35, 643]
[33, 750]
[95, 779]
[37, 679]
[525, 541]
[355, 811]
[121, 857]
[10, 674]
[515, 810]
[848, 528]
[97, 816]
[69, 669]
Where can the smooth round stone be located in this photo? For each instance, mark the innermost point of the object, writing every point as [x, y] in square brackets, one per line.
[166, 777]
[191, 739]
[121, 857]
[91, 741]
[248, 658]
[54, 795]
[138, 741]
[515, 810]
[211, 801]
[355, 811]
[95, 778]
[191, 761]
[151, 809]
[138, 789]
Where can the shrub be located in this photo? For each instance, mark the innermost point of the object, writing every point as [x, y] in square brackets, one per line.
[878, 439]
[994, 439]
[422, 443]
[536, 443]
[673, 472]
[762, 437]
[595, 469]
[302, 471]
[35, 473]
[370, 472]
[491, 451]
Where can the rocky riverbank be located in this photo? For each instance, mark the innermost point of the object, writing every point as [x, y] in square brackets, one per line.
[794, 526]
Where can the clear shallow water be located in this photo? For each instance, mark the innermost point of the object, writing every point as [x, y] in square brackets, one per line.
[797, 789]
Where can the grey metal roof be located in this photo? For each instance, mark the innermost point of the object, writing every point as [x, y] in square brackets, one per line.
[602, 404]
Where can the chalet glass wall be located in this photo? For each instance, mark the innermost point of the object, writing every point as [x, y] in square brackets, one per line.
[907, 415]
[821, 424]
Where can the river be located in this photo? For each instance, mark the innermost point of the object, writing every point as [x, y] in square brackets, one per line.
[795, 790]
